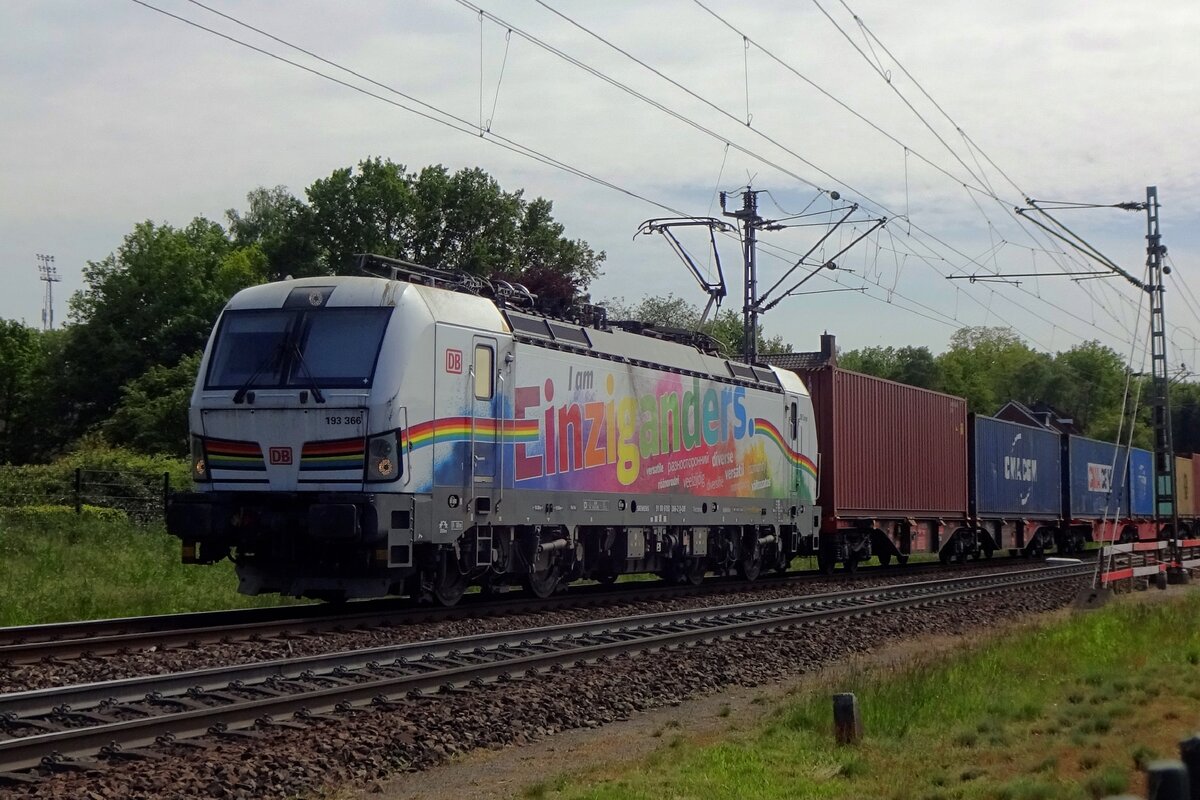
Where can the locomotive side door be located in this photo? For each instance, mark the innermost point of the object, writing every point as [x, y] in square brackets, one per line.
[795, 438]
[483, 402]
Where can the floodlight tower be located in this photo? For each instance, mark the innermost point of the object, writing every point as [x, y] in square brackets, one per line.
[47, 273]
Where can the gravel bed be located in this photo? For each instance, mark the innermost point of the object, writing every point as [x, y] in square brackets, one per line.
[24, 677]
[364, 746]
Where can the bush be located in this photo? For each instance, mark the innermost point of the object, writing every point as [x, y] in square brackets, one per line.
[58, 516]
[111, 477]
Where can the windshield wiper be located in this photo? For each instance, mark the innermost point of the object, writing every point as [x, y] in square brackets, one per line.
[312, 383]
[271, 359]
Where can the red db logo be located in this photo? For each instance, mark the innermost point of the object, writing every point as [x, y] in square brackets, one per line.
[454, 361]
[281, 456]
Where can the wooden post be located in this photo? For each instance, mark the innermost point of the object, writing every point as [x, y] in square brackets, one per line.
[1167, 780]
[847, 724]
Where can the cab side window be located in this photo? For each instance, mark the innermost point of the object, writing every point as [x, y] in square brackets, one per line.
[484, 372]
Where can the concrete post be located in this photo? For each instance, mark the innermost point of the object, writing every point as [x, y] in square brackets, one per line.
[847, 724]
[1167, 780]
[1189, 752]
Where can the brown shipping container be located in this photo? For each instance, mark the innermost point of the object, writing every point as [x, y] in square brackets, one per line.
[1185, 486]
[888, 450]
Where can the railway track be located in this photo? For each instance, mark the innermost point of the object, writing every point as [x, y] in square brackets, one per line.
[71, 640]
[55, 728]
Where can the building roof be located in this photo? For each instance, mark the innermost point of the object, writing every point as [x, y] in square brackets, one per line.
[796, 361]
[1040, 414]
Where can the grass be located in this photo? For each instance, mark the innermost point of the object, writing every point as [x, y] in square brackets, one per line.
[1070, 710]
[62, 566]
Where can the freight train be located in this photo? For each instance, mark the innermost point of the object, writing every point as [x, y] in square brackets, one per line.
[905, 470]
[425, 431]
[420, 432]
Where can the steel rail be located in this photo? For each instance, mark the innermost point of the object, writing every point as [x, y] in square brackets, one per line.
[44, 701]
[33, 643]
[448, 663]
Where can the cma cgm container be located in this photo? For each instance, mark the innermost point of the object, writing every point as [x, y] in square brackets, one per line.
[1016, 482]
[1185, 486]
[893, 471]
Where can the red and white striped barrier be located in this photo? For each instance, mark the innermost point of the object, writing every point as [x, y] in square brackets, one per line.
[1127, 562]
[1189, 554]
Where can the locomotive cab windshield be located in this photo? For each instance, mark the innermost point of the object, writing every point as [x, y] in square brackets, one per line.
[321, 348]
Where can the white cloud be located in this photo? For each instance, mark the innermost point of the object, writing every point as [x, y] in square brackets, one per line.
[115, 114]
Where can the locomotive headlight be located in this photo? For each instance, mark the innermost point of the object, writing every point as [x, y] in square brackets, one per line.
[383, 457]
[199, 461]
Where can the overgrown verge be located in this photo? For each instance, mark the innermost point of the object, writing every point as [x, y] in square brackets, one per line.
[1070, 710]
[96, 474]
[56, 565]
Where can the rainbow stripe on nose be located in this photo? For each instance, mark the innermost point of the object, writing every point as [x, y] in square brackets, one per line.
[340, 454]
[233, 455]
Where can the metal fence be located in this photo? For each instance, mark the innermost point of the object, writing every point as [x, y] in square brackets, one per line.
[141, 495]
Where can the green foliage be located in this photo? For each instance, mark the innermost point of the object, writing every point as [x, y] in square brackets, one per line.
[57, 515]
[18, 361]
[915, 366]
[676, 312]
[152, 302]
[990, 366]
[460, 221]
[152, 416]
[116, 478]
[985, 718]
[57, 566]
[281, 226]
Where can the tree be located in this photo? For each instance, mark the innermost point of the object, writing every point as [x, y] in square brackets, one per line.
[982, 365]
[1091, 383]
[675, 312]
[915, 366]
[152, 416]
[281, 225]
[461, 221]
[152, 302]
[18, 360]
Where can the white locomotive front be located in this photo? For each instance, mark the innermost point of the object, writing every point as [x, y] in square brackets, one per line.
[362, 436]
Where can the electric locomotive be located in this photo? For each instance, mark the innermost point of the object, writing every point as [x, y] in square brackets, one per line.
[423, 431]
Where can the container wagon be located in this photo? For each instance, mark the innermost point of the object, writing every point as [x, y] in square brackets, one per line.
[893, 477]
[1095, 491]
[1141, 523]
[1015, 484]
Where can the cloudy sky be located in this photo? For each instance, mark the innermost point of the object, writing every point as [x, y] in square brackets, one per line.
[941, 116]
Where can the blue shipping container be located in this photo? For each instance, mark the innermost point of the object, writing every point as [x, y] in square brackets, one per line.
[1141, 482]
[1017, 470]
[1094, 469]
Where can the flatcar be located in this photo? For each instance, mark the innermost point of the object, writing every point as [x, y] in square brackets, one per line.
[420, 432]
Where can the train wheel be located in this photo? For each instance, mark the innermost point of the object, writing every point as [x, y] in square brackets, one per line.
[885, 559]
[695, 570]
[902, 560]
[542, 583]
[449, 582]
[825, 561]
[749, 567]
[607, 579]
[851, 563]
